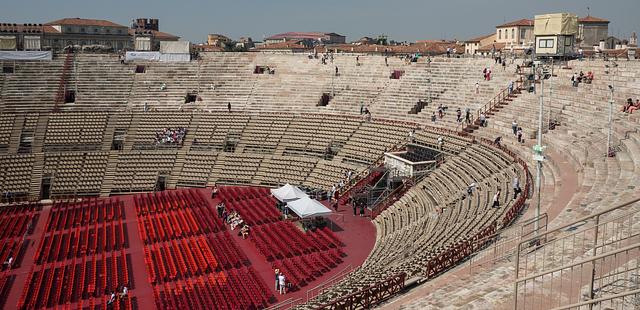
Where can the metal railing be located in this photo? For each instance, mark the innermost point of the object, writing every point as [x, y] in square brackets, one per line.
[285, 304]
[494, 102]
[370, 296]
[502, 246]
[320, 288]
[545, 264]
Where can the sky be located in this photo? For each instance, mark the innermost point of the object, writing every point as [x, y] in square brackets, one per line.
[400, 20]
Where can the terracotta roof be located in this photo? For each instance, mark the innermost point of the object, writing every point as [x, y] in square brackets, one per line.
[592, 19]
[156, 34]
[84, 22]
[520, 22]
[489, 47]
[300, 35]
[480, 38]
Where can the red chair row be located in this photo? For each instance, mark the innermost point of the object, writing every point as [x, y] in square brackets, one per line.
[151, 203]
[63, 283]
[301, 270]
[256, 211]
[179, 259]
[12, 248]
[66, 215]
[283, 240]
[238, 193]
[20, 209]
[181, 223]
[82, 240]
[5, 286]
[15, 226]
[227, 252]
[237, 289]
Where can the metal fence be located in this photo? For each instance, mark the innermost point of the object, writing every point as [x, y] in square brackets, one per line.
[593, 257]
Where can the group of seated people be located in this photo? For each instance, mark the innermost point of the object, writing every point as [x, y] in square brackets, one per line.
[629, 106]
[581, 78]
[170, 136]
[233, 219]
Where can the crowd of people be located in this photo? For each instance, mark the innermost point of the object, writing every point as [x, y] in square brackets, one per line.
[578, 78]
[233, 219]
[171, 136]
[629, 106]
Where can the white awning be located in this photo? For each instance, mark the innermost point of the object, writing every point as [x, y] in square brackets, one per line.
[307, 207]
[288, 193]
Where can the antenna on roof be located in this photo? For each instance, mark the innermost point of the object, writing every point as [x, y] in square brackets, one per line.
[588, 11]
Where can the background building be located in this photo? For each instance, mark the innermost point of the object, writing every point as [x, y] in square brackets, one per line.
[471, 45]
[307, 38]
[517, 33]
[591, 30]
[146, 34]
[82, 32]
[143, 34]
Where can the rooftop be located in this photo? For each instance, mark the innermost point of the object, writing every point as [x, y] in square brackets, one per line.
[480, 38]
[156, 34]
[300, 35]
[84, 22]
[592, 19]
[520, 22]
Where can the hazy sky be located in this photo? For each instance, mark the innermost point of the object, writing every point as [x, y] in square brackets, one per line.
[401, 19]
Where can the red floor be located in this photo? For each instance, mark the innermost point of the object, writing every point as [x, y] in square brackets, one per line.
[357, 233]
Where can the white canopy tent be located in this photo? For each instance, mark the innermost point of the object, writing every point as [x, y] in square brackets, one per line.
[288, 193]
[307, 207]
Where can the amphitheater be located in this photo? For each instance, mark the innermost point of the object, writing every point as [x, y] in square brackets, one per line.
[106, 223]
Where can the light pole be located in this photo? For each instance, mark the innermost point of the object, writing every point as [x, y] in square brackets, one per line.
[538, 148]
[611, 90]
[610, 120]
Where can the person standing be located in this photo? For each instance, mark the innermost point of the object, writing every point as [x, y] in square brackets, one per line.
[516, 187]
[514, 127]
[229, 106]
[496, 199]
[467, 115]
[478, 86]
[282, 283]
[519, 134]
[277, 279]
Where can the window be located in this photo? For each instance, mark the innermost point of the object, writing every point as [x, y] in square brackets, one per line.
[81, 29]
[108, 30]
[523, 34]
[513, 32]
[95, 30]
[567, 41]
[119, 31]
[7, 69]
[69, 29]
[545, 43]
[499, 34]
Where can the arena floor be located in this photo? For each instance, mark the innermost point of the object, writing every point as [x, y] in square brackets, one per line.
[357, 233]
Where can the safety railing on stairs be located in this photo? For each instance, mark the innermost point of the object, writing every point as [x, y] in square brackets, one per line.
[572, 263]
[488, 107]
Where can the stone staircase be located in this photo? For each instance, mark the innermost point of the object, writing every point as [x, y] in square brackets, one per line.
[110, 172]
